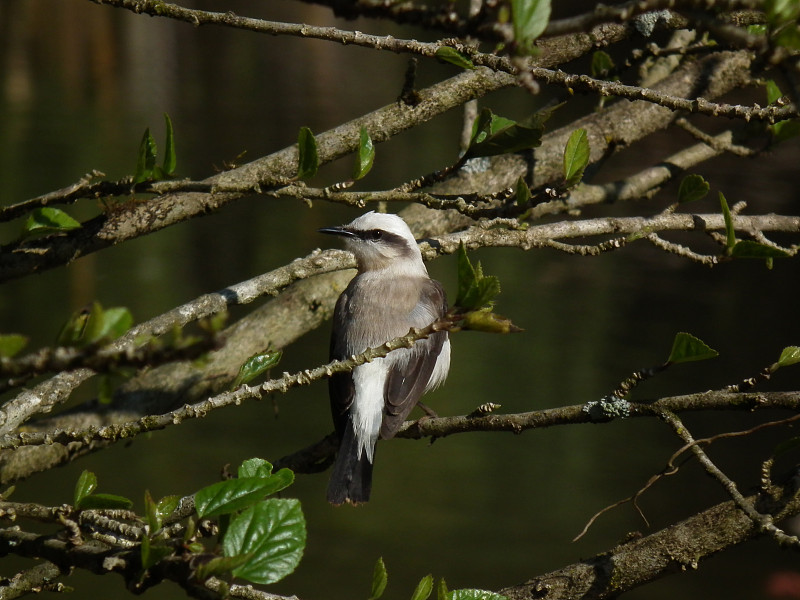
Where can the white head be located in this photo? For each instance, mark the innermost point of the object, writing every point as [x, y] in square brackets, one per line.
[380, 241]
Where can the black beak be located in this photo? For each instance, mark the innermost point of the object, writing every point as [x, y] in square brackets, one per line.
[337, 231]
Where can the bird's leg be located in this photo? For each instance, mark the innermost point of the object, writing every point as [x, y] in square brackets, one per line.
[429, 412]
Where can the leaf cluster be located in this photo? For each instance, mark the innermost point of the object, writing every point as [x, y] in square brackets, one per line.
[147, 168]
[425, 588]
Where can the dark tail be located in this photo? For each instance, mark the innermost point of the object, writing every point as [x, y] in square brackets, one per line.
[352, 476]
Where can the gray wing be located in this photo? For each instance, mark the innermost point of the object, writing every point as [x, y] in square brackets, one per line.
[407, 380]
[340, 385]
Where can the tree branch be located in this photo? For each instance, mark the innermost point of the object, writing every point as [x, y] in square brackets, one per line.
[677, 548]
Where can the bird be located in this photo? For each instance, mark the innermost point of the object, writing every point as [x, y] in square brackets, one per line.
[391, 293]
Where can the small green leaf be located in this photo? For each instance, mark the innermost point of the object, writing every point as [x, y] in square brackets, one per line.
[166, 506]
[475, 290]
[475, 595]
[273, 534]
[523, 192]
[751, 249]
[72, 332]
[255, 467]
[170, 158]
[693, 187]
[380, 577]
[153, 553]
[493, 135]
[308, 160]
[151, 515]
[85, 485]
[730, 234]
[788, 36]
[785, 130]
[789, 356]
[235, 494]
[774, 93]
[602, 64]
[424, 588]
[366, 155]
[146, 161]
[108, 324]
[221, 566]
[11, 344]
[488, 322]
[758, 29]
[782, 130]
[576, 157]
[48, 220]
[441, 590]
[453, 56]
[686, 348]
[105, 501]
[256, 365]
[529, 18]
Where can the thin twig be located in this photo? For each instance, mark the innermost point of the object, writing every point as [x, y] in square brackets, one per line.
[763, 522]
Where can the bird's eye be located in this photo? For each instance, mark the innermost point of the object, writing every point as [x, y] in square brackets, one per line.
[374, 235]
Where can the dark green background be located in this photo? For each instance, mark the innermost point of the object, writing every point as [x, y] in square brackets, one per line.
[78, 85]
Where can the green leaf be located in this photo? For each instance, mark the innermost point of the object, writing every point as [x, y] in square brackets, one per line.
[602, 64]
[757, 29]
[255, 467]
[235, 494]
[686, 348]
[785, 130]
[730, 234]
[151, 515]
[475, 595]
[104, 501]
[85, 485]
[256, 365]
[153, 553]
[146, 161]
[523, 192]
[475, 290]
[529, 18]
[781, 11]
[453, 56]
[308, 161]
[48, 220]
[788, 36]
[72, 332]
[108, 324]
[156, 512]
[273, 533]
[774, 93]
[693, 187]
[11, 344]
[424, 588]
[441, 590]
[488, 322]
[170, 158]
[220, 566]
[380, 577]
[493, 135]
[166, 506]
[782, 130]
[576, 157]
[789, 356]
[751, 249]
[366, 155]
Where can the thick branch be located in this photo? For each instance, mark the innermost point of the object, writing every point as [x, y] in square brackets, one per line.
[672, 550]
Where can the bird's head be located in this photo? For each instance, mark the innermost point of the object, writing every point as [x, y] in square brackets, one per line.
[381, 241]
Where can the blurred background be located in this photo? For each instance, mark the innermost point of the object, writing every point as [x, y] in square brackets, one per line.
[79, 83]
